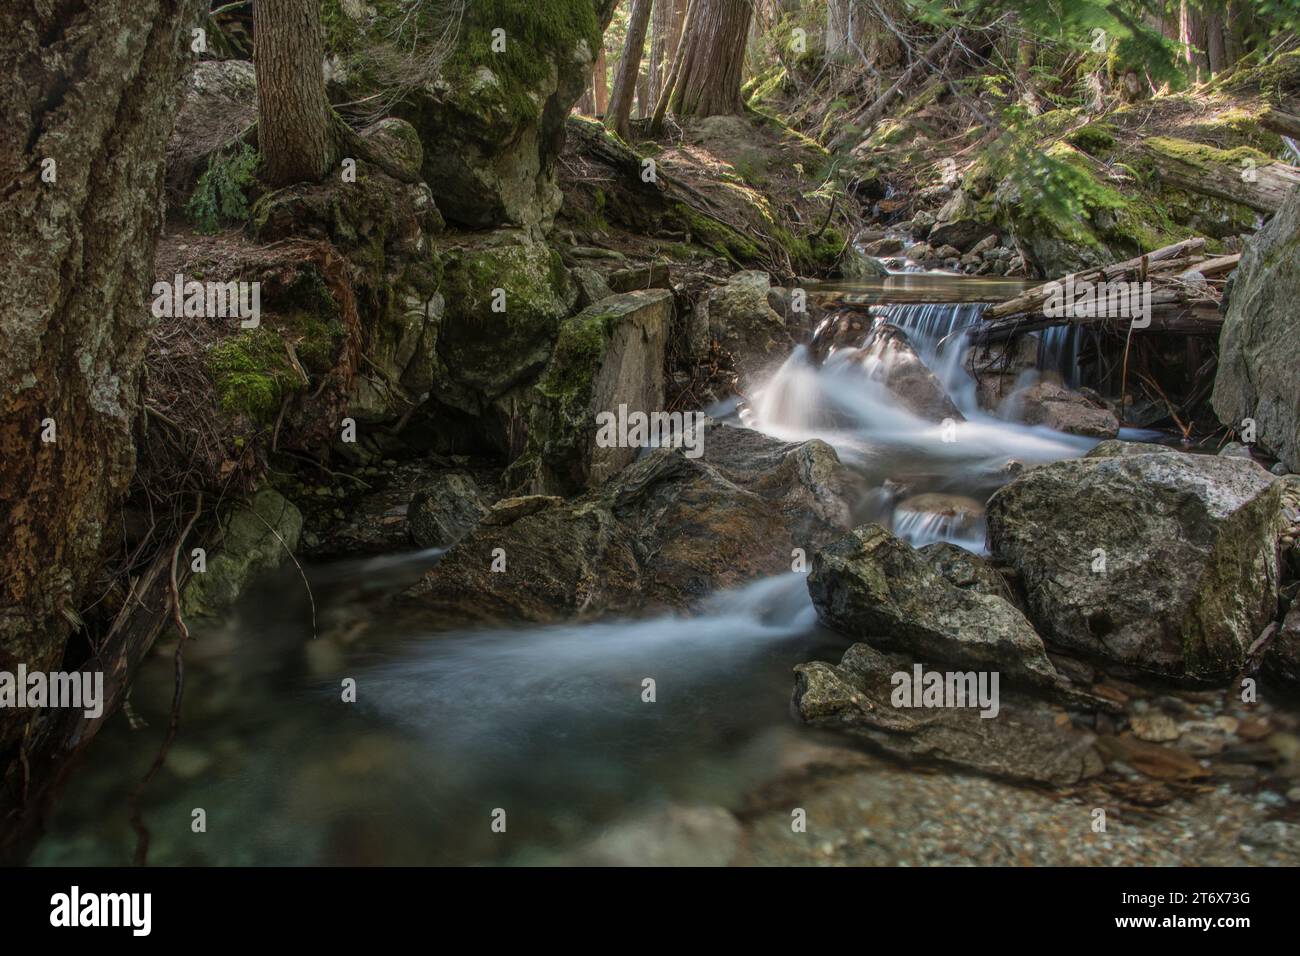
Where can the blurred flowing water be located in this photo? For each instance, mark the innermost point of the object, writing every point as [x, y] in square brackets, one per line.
[549, 723]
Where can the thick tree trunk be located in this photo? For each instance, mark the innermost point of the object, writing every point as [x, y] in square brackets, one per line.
[87, 106]
[713, 60]
[294, 130]
[629, 68]
[666, 29]
[1215, 45]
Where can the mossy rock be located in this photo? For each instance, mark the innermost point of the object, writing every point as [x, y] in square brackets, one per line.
[255, 538]
[487, 350]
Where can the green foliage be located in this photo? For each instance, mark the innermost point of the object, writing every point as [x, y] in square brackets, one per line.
[220, 197]
[252, 373]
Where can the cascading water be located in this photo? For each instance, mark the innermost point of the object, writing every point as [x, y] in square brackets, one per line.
[931, 476]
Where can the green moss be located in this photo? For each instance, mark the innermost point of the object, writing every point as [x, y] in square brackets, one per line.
[1094, 139]
[1199, 154]
[538, 25]
[578, 350]
[252, 373]
[718, 236]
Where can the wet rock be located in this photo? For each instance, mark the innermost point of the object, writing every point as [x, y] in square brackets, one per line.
[666, 531]
[739, 318]
[889, 358]
[254, 538]
[1259, 350]
[999, 368]
[1114, 448]
[650, 276]
[509, 510]
[872, 586]
[1235, 449]
[1026, 740]
[607, 360]
[1053, 405]
[857, 264]
[1165, 561]
[445, 511]
[966, 570]
[887, 246]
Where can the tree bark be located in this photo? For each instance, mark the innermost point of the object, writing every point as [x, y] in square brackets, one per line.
[600, 85]
[1191, 33]
[629, 68]
[1263, 187]
[713, 60]
[93, 88]
[670, 84]
[295, 129]
[666, 29]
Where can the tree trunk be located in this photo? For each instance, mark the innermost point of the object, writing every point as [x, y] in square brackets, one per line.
[629, 68]
[97, 98]
[1191, 33]
[600, 84]
[294, 130]
[666, 29]
[674, 74]
[1215, 45]
[713, 60]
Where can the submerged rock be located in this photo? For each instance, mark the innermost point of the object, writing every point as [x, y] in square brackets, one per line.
[1165, 561]
[889, 358]
[1026, 739]
[874, 587]
[1259, 347]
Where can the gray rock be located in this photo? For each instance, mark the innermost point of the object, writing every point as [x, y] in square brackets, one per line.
[873, 587]
[1024, 741]
[1188, 547]
[739, 317]
[1259, 347]
[1053, 405]
[445, 511]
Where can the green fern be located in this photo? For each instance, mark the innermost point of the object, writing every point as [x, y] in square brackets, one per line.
[220, 196]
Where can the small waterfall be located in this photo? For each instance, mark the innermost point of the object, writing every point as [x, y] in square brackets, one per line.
[1058, 351]
[939, 334]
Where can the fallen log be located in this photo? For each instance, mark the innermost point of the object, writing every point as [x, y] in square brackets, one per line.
[1240, 176]
[1200, 318]
[1282, 123]
[1032, 300]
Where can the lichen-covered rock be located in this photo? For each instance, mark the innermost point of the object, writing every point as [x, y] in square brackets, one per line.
[607, 359]
[1164, 561]
[874, 587]
[739, 317]
[254, 538]
[445, 511]
[1025, 740]
[1054, 405]
[1259, 347]
[506, 296]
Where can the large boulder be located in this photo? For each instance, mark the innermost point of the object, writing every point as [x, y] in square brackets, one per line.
[666, 531]
[1259, 347]
[505, 298]
[607, 359]
[218, 106]
[1164, 561]
[491, 116]
[876, 588]
[1026, 739]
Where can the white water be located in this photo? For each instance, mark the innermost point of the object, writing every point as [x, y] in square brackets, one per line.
[843, 402]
